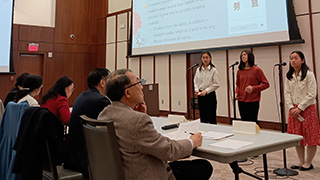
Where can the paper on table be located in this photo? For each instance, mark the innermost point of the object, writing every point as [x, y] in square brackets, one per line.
[216, 135]
[184, 130]
[231, 144]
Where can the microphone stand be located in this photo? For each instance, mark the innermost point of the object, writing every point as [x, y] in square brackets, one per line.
[283, 171]
[193, 103]
[234, 95]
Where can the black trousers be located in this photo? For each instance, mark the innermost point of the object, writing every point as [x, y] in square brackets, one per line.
[249, 110]
[198, 169]
[208, 108]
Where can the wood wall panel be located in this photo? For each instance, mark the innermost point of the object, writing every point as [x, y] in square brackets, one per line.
[101, 31]
[101, 55]
[72, 18]
[71, 65]
[36, 33]
[15, 32]
[98, 8]
[15, 45]
[97, 21]
[74, 58]
[6, 85]
[71, 48]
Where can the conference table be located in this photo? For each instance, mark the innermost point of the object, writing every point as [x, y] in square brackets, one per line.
[263, 143]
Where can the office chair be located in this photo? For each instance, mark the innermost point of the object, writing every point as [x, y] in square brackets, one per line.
[104, 161]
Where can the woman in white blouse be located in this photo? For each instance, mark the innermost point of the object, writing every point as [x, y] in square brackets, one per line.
[206, 81]
[300, 96]
[31, 87]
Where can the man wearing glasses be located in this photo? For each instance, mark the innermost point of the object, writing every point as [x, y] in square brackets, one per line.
[143, 150]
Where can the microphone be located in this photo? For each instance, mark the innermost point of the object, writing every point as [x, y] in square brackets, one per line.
[236, 63]
[281, 64]
[170, 126]
[195, 65]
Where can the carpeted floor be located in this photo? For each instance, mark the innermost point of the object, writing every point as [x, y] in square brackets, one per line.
[222, 171]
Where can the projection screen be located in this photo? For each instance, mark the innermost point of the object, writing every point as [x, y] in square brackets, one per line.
[164, 26]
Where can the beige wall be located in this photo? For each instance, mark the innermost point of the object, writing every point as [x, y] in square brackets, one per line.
[35, 12]
[266, 57]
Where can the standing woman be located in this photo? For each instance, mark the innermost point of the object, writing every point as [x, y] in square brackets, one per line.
[206, 81]
[32, 86]
[56, 99]
[300, 96]
[250, 82]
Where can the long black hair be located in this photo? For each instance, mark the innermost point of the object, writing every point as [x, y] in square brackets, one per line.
[250, 59]
[57, 89]
[20, 79]
[304, 68]
[30, 83]
[210, 63]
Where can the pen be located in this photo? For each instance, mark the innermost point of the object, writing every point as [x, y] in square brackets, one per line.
[189, 133]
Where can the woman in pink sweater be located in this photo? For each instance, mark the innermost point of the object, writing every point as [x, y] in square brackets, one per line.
[250, 82]
[56, 99]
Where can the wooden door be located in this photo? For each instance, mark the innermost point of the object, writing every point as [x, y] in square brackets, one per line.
[32, 64]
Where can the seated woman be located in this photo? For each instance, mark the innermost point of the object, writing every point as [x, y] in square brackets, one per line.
[18, 86]
[56, 99]
[32, 85]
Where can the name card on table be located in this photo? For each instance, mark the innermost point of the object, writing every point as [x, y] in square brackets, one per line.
[175, 119]
[245, 127]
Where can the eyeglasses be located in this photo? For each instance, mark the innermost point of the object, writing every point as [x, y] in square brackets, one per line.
[141, 81]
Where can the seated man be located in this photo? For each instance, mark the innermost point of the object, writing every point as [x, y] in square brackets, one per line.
[89, 103]
[143, 150]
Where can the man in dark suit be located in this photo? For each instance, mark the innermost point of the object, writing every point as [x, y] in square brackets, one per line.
[145, 152]
[89, 103]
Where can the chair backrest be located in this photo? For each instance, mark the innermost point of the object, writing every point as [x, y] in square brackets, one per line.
[49, 165]
[9, 128]
[104, 161]
[1, 109]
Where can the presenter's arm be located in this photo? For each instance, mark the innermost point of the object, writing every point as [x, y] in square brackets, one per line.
[264, 83]
[215, 82]
[196, 82]
[237, 91]
[311, 91]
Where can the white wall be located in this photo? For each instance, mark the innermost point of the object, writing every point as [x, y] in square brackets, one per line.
[35, 12]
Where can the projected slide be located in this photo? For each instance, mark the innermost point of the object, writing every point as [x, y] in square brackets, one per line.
[246, 16]
[5, 33]
[174, 25]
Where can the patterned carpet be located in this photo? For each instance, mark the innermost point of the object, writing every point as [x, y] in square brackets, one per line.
[275, 160]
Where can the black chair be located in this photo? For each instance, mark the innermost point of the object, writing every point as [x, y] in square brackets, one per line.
[52, 171]
[39, 145]
[104, 161]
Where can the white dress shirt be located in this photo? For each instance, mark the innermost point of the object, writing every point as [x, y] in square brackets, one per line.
[303, 93]
[31, 101]
[206, 79]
